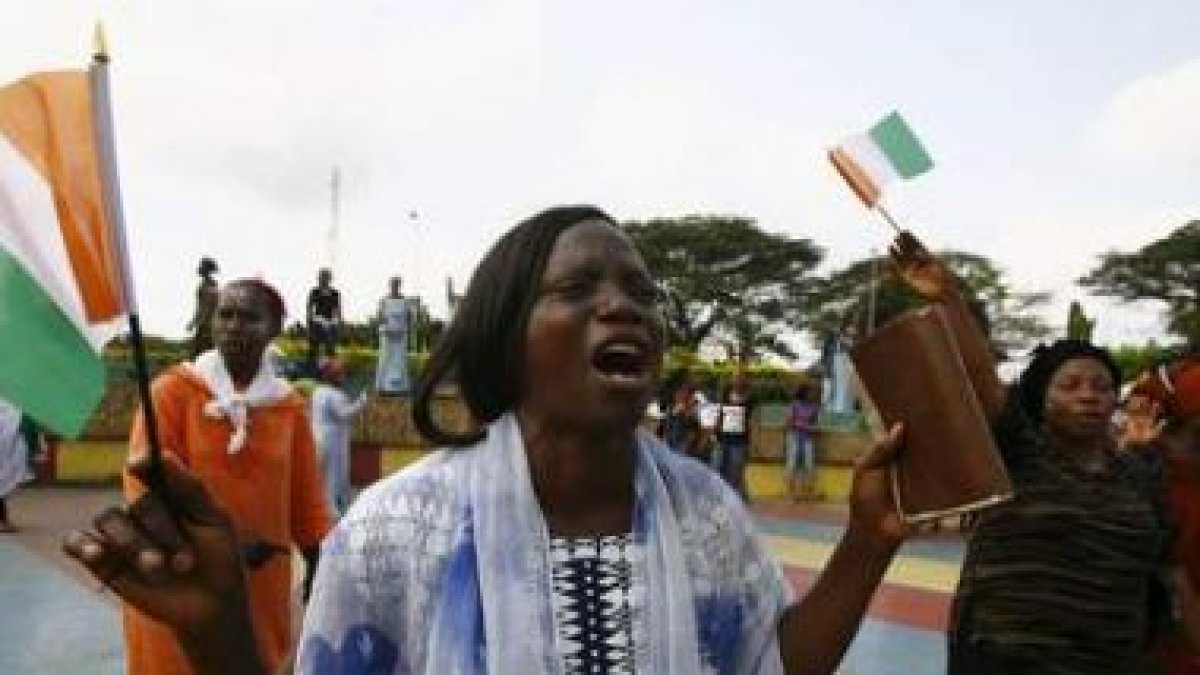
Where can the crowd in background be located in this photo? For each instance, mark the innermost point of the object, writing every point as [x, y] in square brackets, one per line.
[1090, 568]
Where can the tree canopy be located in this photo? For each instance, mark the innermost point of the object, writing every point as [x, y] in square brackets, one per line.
[1166, 270]
[1079, 326]
[1133, 360]
[845, 303]
[725, 279]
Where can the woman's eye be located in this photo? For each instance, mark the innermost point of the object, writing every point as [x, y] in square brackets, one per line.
[1066, 385]
[573, 289]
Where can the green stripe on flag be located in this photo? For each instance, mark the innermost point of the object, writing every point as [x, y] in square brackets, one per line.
[47, 368]
[901, 146]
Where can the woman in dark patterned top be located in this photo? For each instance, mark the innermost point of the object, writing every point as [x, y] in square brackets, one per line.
[1056, 580]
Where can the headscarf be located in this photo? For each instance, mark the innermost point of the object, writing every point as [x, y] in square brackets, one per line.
[1032, 385]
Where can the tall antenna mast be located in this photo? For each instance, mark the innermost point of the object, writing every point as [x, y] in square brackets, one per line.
[335, 193]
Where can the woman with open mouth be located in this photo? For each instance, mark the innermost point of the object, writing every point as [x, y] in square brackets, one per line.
[556, 536]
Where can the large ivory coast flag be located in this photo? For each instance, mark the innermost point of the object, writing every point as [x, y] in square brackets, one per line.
[888, 151]
[61, 284]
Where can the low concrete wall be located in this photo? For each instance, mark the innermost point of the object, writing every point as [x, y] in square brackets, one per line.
[385, 440]
[87, 461]
[90, 462]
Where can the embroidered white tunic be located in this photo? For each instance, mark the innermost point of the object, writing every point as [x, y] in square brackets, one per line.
[446, 568]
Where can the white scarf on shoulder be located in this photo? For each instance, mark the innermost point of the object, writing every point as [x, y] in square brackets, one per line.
[233, 405]
[513, 589]
[446, 569]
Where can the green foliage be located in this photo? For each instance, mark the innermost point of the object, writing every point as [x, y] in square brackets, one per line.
[1079, 326]
[1134, 359]
[358, 360]
[1166, 270]
[768, 382]
[844, 302]
[160, 353]
[722, 278]
[746, 335]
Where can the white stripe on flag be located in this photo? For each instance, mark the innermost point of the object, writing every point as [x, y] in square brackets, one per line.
[30, 233]
[870, 159]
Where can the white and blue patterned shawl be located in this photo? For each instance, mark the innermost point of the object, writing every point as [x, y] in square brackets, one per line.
[443, 569]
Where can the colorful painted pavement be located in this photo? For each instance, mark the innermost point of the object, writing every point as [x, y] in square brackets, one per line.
[905, 630]
[54, 620]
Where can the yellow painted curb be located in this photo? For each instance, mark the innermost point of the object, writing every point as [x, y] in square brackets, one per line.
[914, 572]
[89, 460]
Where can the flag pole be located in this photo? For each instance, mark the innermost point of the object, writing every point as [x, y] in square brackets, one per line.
[888, 217]
[111, 189]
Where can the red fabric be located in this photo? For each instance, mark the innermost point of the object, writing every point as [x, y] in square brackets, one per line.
[1183, 500]
[1176, 387]
[1179, 394]
[1175, 658]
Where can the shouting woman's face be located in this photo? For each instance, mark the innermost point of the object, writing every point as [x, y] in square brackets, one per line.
[594, 342]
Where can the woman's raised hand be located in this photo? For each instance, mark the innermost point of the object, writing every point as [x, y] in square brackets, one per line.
[178, 563]
[920, 269]
[1142, 423]
[873, 512]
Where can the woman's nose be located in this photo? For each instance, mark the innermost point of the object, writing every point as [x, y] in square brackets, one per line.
[616, 303]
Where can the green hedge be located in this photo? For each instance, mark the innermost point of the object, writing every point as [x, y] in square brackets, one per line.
[386, 420]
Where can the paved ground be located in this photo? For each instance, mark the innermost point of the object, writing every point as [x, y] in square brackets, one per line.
[56, 621]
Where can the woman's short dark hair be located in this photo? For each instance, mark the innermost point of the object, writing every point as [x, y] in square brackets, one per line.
[1035, 380]
[483, 348]
[207, 266]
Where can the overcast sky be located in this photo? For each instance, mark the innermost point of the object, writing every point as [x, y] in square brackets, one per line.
[1059, 129]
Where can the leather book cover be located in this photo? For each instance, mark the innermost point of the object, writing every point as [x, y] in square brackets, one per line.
[912, 372]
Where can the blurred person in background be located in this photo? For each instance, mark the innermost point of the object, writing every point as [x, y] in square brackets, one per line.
[333, 414]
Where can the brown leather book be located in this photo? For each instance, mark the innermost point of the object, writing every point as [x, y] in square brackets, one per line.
[912, 372]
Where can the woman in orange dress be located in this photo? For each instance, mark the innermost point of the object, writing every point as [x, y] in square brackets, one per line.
[246, 434]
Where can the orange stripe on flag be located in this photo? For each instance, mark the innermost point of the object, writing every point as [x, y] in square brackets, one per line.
[48, 118]
[855, 177]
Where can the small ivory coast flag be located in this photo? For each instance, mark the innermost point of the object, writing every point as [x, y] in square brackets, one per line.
[63, 264]
[889, 150]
